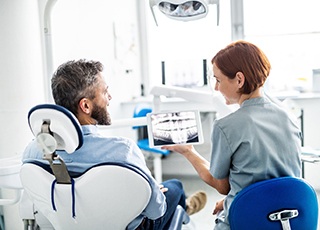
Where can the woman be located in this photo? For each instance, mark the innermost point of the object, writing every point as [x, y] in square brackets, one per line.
[257, 142]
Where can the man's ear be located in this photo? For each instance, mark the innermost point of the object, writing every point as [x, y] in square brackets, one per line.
[85, 105]
[240, 79]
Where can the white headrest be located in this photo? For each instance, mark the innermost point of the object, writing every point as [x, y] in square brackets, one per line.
[64, 125]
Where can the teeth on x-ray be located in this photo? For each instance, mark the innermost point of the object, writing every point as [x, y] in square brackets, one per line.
[176, 127]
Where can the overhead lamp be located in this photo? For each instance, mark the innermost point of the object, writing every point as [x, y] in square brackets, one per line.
[184, 10]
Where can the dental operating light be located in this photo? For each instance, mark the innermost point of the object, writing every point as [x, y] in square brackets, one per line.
[184, 10]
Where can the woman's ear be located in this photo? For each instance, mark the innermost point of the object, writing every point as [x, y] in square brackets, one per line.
[85, 105]
[240, 79]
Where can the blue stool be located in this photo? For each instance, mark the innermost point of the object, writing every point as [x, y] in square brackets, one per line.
[275, 204]
[156, 154]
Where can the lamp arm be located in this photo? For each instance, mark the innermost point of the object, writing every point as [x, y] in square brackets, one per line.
[217, 2]
[151, 4]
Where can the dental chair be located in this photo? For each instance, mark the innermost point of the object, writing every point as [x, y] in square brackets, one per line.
[106, 196]
[155, 154]
[280, 203]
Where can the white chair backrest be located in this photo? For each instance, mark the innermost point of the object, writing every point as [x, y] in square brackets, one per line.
[105, 197]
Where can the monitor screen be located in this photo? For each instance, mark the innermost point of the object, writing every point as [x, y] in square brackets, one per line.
[184, 73]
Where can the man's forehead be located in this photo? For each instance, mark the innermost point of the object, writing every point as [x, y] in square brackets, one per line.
[101, 81]
[101, 78]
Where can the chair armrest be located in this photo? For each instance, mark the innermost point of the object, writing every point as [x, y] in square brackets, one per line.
[179, 217]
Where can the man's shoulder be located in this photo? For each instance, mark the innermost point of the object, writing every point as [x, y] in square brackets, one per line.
[118, 139]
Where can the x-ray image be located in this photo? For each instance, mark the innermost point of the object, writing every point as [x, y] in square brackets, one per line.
[174, 128]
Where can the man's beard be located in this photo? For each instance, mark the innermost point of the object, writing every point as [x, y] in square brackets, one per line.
[101, 115]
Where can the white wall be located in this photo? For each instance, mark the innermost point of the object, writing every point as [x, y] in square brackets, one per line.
[21, 81]
[311, 135]
[101, 30]
[21, 72]
[96, 29]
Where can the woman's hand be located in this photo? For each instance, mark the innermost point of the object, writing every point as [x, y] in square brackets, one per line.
[219, 207]
[163, 189]
[182, 149]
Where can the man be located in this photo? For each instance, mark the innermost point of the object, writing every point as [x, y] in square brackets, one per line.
[79, 87]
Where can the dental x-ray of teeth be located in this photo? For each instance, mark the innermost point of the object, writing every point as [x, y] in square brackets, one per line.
[169, 128]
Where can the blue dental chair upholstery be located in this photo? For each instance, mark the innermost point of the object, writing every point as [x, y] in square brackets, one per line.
[279, 203]
[156, 154]
[106, 196]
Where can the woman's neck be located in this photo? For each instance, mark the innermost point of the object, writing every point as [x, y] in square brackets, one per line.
[254, 94]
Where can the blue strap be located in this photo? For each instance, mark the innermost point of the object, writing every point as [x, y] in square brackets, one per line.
[52, 195]
[72, 195]
[73, 199]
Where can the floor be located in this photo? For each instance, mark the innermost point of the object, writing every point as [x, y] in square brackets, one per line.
[203, 220]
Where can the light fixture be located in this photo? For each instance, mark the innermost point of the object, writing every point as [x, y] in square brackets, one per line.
[184, 10]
